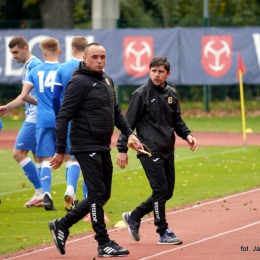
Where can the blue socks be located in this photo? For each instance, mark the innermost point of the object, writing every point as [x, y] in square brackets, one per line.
[85, 189]
[46, 176]
[31, 172]
[39, 167]
[73, 175]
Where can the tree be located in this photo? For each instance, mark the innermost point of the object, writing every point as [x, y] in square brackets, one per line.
[15, 14]
[57, 14]
[134, 13]
[183, 13]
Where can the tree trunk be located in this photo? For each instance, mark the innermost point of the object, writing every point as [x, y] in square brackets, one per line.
[57, 13]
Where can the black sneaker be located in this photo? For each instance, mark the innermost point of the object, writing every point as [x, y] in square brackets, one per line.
[133, 227]
[59, 234]
[111, 249]
[48, 203]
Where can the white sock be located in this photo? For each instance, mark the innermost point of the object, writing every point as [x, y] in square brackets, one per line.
[39, 191]
[48, 194]
[70, 189]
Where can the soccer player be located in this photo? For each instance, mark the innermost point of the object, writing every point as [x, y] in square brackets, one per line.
[63, 76]
[26, 139]
[41, 79]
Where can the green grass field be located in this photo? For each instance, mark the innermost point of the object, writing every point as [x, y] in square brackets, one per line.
[209, 172]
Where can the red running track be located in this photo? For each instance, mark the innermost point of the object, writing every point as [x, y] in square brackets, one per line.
[225, 228]
[7, 139]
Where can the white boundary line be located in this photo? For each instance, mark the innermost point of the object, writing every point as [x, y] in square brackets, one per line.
[148, 219]
[202, 240]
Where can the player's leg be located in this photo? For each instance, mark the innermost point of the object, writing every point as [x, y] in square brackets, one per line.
[69, 195]
[37, 161]
[25, 141]
[68, 162]
[85, 189]
[72, 176]
[72, 179]
[46, 147]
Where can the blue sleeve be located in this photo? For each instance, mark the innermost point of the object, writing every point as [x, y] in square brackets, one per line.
[56, 98]
[1, 124]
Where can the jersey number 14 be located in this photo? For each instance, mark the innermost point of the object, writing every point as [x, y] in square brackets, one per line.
[48, 82]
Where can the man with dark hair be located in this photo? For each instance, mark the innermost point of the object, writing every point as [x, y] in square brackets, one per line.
[26, 138]
[154, 111]
[90, 104]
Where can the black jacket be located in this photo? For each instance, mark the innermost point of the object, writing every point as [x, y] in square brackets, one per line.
[90, 104]
[155, 114]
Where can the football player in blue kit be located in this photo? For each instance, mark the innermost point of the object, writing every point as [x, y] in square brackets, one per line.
[41, 79]
[26, 138]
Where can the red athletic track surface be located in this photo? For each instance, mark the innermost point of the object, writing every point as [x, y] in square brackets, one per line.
[212, 230]
[7, 139]
[225, 228]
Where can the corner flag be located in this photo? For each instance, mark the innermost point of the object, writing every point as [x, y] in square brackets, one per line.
[240, 65]
[241, 69]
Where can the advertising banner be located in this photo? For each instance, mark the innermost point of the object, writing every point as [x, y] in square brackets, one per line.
[198, 56]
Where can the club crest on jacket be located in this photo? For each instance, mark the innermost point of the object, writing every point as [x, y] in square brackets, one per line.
[107, 81]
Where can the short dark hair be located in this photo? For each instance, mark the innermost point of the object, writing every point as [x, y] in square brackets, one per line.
[18, 41]
[91, 44]
[158, 61]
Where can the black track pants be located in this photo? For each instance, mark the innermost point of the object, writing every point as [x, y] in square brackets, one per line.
[161, 175]
[97, 171]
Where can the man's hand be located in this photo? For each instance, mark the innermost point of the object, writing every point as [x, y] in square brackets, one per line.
[4, 110]
[122, 160]
[56, 161]
[139, 145]
[192, 142]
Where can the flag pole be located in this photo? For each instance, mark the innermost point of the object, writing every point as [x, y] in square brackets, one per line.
[242, 105]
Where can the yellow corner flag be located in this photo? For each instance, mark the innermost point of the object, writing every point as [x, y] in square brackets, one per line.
[241, 69]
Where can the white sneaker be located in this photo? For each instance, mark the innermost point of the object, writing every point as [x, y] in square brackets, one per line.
[36, 199]
[69, 201]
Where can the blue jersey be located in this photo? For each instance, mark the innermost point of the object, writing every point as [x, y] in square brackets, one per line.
[42, 78]
[1, 124]
[64, 74]
[30, 110]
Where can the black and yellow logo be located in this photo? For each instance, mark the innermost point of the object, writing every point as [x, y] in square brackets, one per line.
[107, 81]
[169, 100]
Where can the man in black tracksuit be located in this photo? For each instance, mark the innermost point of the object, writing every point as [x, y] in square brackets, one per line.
[90, 104]
[155, 113]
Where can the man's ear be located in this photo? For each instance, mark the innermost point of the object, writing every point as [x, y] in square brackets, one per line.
[44, 54]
